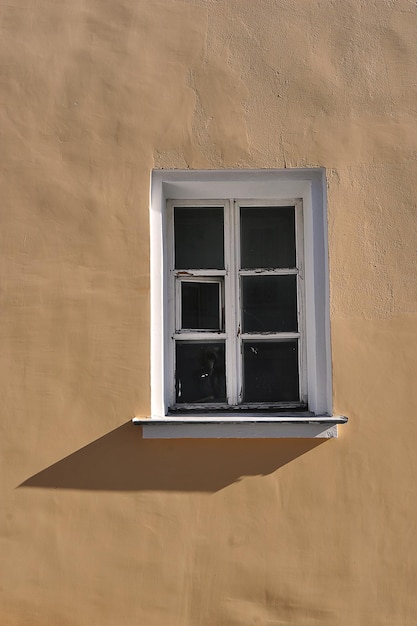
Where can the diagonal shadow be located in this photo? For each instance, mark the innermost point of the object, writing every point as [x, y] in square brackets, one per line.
[122, 461]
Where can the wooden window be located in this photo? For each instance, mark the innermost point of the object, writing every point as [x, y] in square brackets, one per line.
[235, 285]
[240, 325]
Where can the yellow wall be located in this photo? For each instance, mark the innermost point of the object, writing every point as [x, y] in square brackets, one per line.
[97, 526]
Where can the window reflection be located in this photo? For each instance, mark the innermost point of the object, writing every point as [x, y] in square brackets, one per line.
[200, 372]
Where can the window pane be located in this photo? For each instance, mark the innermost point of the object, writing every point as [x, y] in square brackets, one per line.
[198, 238]
[270, 371]
[269, 303]
[200, 305]
[267, 237]
[200, 372]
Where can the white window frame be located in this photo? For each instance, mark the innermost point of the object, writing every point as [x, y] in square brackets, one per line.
[306, 185]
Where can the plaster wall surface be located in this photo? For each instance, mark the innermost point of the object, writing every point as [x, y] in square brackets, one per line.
[98, 526]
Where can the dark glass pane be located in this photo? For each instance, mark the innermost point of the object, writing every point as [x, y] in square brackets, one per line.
[269, 303]
[198, 238]
[270, 371]
[200, 372]
[200, 305]
[267, 237]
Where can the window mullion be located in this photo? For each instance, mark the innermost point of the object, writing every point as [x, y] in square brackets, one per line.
[178, 304]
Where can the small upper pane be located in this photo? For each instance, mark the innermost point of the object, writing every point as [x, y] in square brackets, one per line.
[267, 237]
[199, 238]
[200, 305]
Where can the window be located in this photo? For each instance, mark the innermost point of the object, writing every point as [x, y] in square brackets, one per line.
[235, 284]
[240, 334]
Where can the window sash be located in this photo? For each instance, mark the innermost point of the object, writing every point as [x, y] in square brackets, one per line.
[232, 324]
[179, 283]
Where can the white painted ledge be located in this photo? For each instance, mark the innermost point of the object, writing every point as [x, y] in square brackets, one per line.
[248, 426]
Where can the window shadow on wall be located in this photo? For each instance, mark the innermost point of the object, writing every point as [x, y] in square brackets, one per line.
[122, 461]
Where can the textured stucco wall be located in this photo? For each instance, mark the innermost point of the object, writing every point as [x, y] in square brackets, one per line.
[98, 526]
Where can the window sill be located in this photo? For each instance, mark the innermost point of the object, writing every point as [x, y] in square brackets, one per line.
[247, 426]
